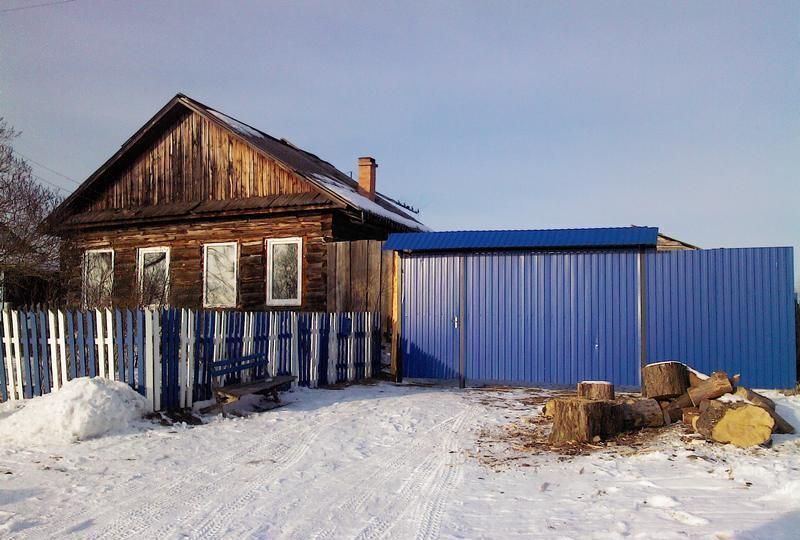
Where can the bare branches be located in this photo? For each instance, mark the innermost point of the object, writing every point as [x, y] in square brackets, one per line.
[25, 247]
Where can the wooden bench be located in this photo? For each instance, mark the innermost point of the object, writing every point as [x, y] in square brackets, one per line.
[262, 384]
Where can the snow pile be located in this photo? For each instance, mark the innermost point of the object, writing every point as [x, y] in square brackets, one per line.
[82, 409]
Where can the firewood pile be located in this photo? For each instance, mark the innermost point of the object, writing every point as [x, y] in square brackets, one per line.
[715, 406]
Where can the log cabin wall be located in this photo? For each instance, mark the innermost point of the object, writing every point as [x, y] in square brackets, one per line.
[186, 240]
[194, 159]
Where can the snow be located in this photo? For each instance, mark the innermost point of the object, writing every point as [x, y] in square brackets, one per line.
[83, 409]
[364, 203]
[387, 461]
[701, 376]
[344, 191]
[239, 127]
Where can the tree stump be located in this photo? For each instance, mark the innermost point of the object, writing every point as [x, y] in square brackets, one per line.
[580, 420]
[603, 390]
[639, 413]
[740, 424]
[664, 380]
[715, 386]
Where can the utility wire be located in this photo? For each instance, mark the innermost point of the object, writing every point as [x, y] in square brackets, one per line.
[45, 4]
[64, 176]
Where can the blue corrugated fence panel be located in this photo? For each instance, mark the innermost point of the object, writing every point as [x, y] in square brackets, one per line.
[724, 309]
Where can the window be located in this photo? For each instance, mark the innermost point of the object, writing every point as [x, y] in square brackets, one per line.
[284, 271]
[98, 277]
[154, 276]
[220, 273]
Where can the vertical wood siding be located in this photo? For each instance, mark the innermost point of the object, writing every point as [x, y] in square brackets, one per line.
[195, 160]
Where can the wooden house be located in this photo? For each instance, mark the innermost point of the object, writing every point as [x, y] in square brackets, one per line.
[198, 209]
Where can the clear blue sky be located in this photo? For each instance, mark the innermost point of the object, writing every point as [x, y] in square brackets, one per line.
[682, 115]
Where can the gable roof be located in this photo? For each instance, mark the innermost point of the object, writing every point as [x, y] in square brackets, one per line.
[329, 180]
[609, 237]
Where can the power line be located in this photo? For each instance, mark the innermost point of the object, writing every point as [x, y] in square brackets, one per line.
[45, 4]
[64, 176]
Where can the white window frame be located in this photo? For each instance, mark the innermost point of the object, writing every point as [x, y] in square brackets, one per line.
[85, 272]
[236, 272]
[299, 298]
[140, 268]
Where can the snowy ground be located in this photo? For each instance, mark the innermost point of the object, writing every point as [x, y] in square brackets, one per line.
[395, 462]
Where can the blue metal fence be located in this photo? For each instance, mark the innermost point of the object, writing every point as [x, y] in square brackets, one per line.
[730, 309]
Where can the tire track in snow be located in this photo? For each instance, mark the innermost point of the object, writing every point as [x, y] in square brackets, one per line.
[387, 475]
[411, 492]
[186, 482]
[187, 494]
[366, 479]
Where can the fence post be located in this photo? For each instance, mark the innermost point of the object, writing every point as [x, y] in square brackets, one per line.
[17, 354]
[368, 348]
[190, 375]
[112, 368]
[100, 342]
[9, 358]
[294, 361]
[52, 342]
[182, 348]
[274, 330]
[62, 347]
[351, 342]
[313, 360]
[333, 348]
[149, 359]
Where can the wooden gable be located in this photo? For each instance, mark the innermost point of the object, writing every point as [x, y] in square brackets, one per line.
[191, 159]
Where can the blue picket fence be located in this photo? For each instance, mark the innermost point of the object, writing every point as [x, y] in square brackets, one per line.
[162, 354]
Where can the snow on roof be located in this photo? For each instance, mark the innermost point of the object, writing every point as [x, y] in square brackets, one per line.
[353, 197]
[234, 124]
[321, 173]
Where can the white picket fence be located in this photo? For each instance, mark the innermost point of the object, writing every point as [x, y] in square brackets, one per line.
[162, 353]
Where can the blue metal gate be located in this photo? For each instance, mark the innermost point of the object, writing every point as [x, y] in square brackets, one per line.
[534, 318]
[430, 317]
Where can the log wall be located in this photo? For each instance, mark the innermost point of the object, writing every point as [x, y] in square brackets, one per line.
[186, 258]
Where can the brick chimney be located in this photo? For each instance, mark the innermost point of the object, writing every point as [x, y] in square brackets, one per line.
[366, 176]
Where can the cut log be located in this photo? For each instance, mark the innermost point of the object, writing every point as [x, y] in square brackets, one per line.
[675, 407]
[735, 380]
[664, 380]
[740, 424]
[639, 413]
[690, 415]
[781, 425]
[695, 377]
[596, 390]
[672, 412]
[580, 420]
[715, 386]
[754, 397]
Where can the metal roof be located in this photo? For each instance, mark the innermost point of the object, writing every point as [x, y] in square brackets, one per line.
[610, 237]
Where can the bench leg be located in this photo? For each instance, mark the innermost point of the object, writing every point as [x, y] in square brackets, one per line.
[275, 397]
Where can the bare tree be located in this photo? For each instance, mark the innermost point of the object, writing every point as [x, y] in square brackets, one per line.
[28, 255]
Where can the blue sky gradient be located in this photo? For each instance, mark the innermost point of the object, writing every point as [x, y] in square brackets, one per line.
[682, 115]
